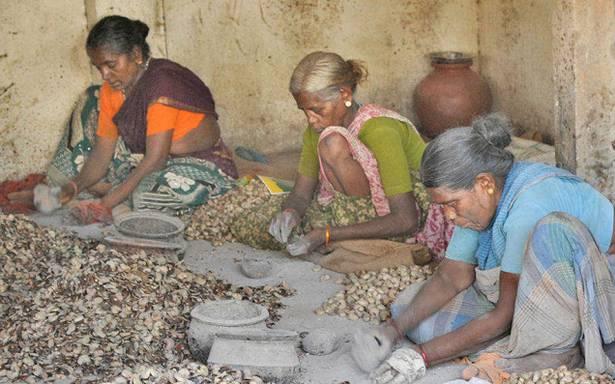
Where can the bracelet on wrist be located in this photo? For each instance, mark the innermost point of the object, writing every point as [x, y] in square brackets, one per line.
[423, 355]
[75, 187]
[327, 235]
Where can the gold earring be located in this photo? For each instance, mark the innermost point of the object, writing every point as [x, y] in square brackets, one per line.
[490, 191]
[348, 103]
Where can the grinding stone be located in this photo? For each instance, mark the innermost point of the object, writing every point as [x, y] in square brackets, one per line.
[320, 341]
[256, 268]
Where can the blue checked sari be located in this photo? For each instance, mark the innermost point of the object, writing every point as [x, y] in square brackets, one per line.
[566, 292]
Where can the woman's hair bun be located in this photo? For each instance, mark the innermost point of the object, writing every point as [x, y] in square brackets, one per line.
[496, 128]
[358, 71]
[141, 28]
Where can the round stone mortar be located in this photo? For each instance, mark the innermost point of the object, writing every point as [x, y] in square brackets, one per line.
[320, 341]
[218, 316]
[256, 268]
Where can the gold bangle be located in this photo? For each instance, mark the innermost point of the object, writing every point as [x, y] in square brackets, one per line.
[75, 187]
[327, 235]
[76, 192]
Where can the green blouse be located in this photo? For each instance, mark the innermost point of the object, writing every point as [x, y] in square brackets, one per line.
[397, 147]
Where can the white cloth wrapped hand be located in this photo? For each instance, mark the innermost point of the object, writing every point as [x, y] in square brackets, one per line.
[370, 348]
[47, 199]
[404, 366]
[283, 223]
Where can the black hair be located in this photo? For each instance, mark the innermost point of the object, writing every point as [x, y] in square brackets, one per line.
[120, 34]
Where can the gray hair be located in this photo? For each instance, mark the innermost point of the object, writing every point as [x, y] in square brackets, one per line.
[324, 72]
[457, 156]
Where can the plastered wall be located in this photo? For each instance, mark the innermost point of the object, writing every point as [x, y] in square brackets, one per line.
[515, 42]
[42, 69]
[244, 50]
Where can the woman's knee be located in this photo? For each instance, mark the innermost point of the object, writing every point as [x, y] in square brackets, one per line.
[561, 229]
[333, 148]
[424, 331]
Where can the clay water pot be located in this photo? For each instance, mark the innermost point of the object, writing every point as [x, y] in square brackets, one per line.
[452, 95]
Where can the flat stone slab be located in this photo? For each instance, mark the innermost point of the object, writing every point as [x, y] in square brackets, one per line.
[267, 353]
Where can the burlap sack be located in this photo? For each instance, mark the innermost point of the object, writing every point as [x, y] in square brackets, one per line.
[372, 255]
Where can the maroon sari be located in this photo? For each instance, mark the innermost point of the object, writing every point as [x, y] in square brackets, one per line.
[179, 88]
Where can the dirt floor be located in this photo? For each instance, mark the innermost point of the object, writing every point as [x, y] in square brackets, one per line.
[312, 289]
[299, 316]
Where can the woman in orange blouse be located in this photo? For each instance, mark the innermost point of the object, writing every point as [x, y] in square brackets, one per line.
[156, 108]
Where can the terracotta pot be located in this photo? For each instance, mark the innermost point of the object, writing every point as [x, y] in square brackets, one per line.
[451, 95]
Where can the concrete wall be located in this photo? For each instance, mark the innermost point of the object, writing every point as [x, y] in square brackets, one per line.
[515, 42]
[244, 50]
[43, 67]
[584, 68]
[150, 12]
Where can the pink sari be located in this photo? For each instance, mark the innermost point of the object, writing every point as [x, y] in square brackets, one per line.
[436, 232]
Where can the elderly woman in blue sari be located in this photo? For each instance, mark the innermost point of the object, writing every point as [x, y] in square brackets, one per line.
[528, 274]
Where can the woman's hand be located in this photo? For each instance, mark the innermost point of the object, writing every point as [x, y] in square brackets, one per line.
[370, 348]
[92, 211]
[47, 199]
[156, 153]
[307, 243]
[283, 224]
[405, 365]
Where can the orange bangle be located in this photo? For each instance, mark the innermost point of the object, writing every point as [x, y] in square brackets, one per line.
[423, 355]
[327, 235]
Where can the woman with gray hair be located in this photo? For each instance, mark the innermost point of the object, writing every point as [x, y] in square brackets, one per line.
[358, 173]
[531, 258]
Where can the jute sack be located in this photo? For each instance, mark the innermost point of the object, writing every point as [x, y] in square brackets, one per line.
[372, 255]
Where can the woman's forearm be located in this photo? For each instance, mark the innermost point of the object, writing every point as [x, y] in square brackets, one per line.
[468, 339]
[96, 164]
[480, 331]
[451, 278]
[402, 220]
[90, 174]
[296, 202]
[380, 227]
[301, 196]
[121, 193]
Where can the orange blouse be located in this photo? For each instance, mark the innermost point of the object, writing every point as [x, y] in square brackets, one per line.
[160, 117]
